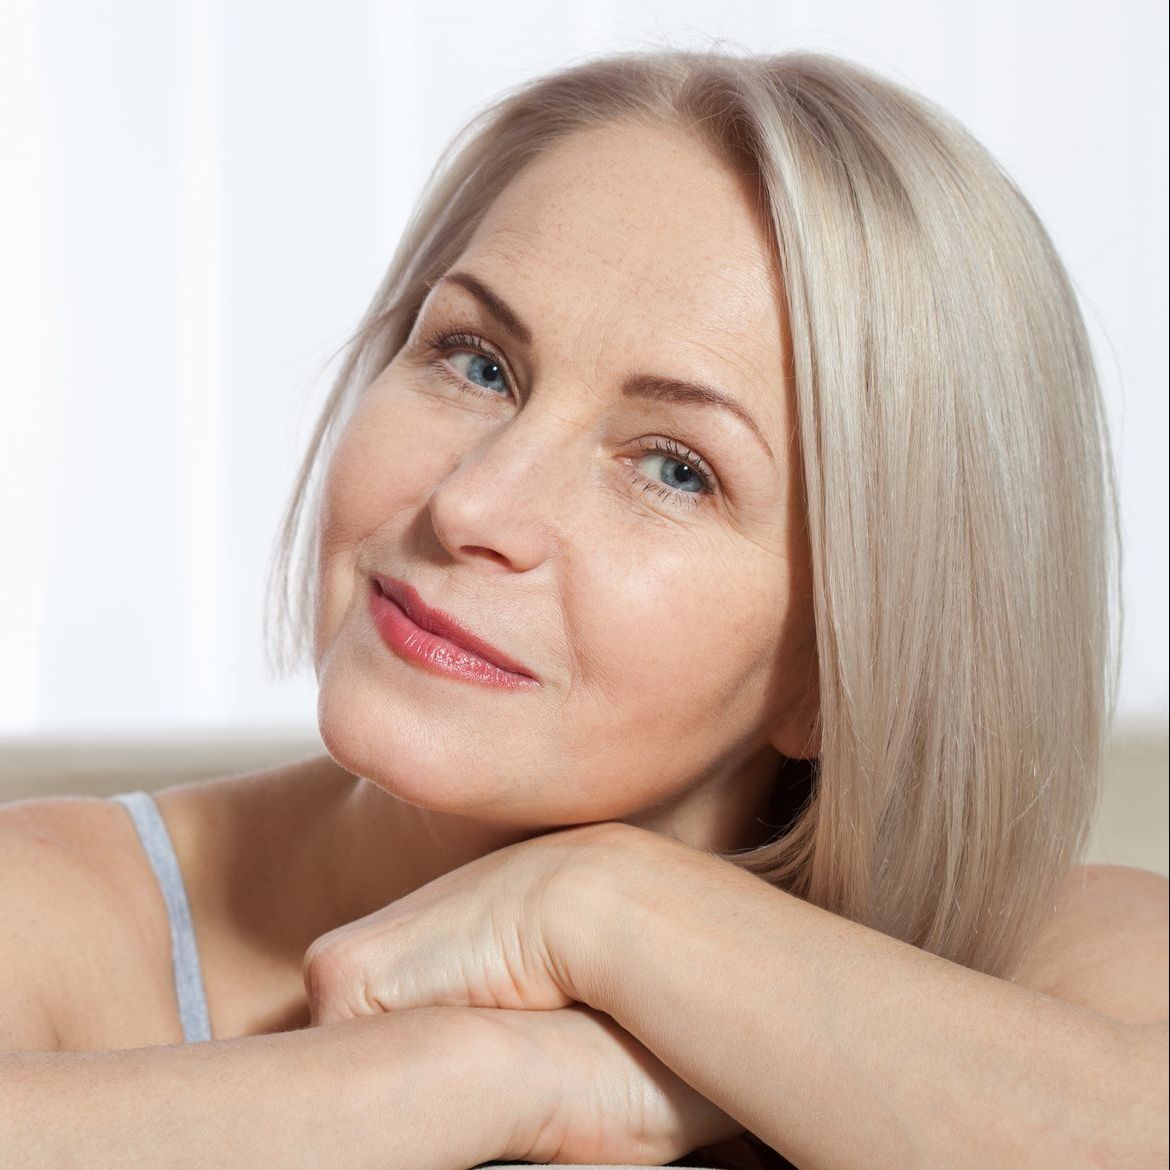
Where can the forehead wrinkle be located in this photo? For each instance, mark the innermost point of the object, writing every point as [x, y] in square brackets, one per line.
[537, 233]
[744, 291]
[757, 393]
[732, 342]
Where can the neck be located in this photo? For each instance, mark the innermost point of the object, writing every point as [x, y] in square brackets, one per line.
[279, 858]
[380, 848]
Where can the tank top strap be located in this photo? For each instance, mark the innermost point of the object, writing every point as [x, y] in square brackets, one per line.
[160, 852]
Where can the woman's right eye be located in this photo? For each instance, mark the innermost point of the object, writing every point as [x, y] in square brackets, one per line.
[480, 370]
[468, 362]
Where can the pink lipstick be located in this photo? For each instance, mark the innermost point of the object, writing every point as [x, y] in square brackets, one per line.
[436, 641]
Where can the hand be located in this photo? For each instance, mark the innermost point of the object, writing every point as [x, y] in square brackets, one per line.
[612, 1100]
[511, 931]
[508, 930]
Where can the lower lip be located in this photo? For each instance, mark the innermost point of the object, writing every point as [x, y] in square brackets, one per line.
[434, 653]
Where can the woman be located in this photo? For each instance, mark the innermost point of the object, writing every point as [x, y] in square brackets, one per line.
[707, 582]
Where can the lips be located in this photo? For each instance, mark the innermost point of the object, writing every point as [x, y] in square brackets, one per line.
[445, 626]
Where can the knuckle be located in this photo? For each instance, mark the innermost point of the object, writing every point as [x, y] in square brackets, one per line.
[334, 983]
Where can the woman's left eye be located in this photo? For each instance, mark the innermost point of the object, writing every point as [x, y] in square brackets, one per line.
[680, 475]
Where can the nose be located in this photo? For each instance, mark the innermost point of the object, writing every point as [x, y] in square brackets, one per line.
[505, 499]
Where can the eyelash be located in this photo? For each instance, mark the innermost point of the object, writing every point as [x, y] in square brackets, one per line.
[449, 343]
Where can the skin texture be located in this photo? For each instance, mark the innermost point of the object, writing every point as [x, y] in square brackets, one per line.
[865, 1050]
[674, 644]
[675, 654]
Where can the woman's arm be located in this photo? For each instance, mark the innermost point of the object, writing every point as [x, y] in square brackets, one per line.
[839, 1046]
[441, 1088]
[425, 1087]
[842, 1047]
[416, 1090]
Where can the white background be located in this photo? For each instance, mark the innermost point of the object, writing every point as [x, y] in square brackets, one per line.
[198, 199]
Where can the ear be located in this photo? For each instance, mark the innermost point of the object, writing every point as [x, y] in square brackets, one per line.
[797, 732]
[799, 736]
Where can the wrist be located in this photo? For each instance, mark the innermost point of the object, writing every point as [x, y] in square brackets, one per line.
[585, 909]
[523, 1074]
[445, 1081]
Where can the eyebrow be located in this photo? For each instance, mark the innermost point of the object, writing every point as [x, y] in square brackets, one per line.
[653, 387]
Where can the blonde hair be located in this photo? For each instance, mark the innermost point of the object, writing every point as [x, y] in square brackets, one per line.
[961, 514]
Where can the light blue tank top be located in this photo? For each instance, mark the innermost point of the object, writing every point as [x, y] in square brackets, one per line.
[160, 852]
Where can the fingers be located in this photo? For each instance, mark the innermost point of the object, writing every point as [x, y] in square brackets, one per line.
[477, 936]
[335, 989]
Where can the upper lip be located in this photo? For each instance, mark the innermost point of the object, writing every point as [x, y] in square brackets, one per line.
[443, 624]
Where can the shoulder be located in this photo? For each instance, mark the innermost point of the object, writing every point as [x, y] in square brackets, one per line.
[1103, 944]
[82, 933]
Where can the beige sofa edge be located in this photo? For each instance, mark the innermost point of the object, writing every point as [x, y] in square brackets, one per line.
[1130, 829]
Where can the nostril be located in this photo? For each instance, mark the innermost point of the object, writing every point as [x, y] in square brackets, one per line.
[491, 552]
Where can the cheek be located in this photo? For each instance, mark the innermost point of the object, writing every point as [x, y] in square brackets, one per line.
[386, 459]
[383, 469]
[675, 634]
[673, 659]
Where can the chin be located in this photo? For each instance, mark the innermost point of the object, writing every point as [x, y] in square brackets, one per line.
[409, 757]
[455, 760]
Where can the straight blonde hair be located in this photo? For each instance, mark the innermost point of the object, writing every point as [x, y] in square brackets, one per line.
[960, 498]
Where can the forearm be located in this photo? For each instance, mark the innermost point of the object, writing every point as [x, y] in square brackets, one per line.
[844, 1048]
[404, 1090]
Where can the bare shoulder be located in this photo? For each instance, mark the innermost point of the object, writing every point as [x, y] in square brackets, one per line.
[80, 930]
[1104, 945]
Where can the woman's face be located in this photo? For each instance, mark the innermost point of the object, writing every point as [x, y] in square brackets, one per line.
[539, 473]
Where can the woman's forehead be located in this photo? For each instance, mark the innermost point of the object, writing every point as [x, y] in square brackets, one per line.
[643, 206]
[636, 230]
